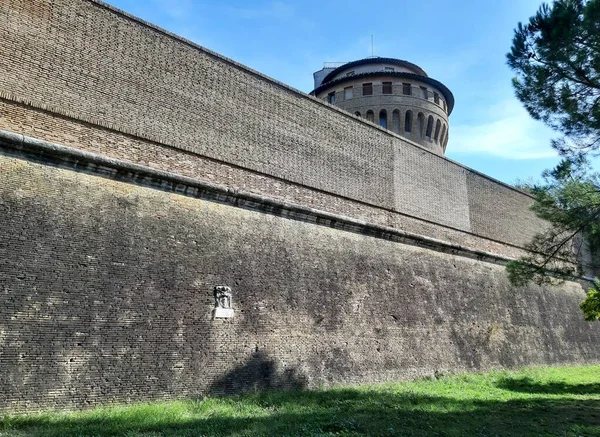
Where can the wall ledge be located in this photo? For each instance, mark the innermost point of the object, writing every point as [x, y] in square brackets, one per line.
[44, 152]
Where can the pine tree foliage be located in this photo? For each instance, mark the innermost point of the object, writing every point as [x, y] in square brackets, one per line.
[591, 304]
[569, 199]
[556, 57]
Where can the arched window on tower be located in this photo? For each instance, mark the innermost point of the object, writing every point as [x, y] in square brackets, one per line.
[438, 126]
[370, 115]
[429, 127]
[445, 140]
[443, 136]
[408, 121]
[420, 125]
[383, 118]
[357, 114]
[396, 121]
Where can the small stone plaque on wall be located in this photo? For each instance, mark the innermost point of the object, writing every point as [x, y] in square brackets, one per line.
[223, 309]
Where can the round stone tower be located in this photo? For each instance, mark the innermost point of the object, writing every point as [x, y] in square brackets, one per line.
[395, 94]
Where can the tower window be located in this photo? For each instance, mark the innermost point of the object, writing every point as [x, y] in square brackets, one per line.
[367, 89]
[420, 124]
[383, 118]
[347, 93]
[424, 92]
[396, 121]
[406, 89]
[370, 115]
[436, 136]
[386, 88]
[350, 73]
[408, 121]
[331, 97]
[429, 129]
[436, 98]
[443, 137]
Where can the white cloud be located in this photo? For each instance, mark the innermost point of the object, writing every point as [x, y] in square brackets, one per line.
[506, 131]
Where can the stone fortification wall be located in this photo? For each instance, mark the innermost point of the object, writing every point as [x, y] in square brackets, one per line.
[81, 62]
[107, 270]
[106, 294]
[74, 133]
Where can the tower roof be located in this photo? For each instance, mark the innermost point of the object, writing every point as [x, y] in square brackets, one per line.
[376, 60]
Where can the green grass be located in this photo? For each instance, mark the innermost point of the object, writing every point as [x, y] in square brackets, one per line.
[563, 401]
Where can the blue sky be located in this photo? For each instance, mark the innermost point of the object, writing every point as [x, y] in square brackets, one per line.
[461, 43]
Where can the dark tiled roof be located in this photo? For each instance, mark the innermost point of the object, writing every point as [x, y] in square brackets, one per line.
[367, 61]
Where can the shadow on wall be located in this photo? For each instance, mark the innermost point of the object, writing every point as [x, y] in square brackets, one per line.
[260, 373]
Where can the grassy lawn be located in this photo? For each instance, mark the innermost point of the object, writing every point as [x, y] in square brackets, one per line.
[532, 402]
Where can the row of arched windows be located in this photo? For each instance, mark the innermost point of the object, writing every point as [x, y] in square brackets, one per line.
[431, 129]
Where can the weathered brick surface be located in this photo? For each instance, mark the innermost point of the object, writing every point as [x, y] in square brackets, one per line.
[106, 286]
[106, 294]
[99, 65]
[40, 124]
[78, 58]
[448, 204]
[498, 212]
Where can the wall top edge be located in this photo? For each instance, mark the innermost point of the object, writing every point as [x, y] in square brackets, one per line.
[135, 173]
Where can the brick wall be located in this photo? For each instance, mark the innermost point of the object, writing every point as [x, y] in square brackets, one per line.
[106, 285]
[81, 135]
[90, 63]
[106, 295]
